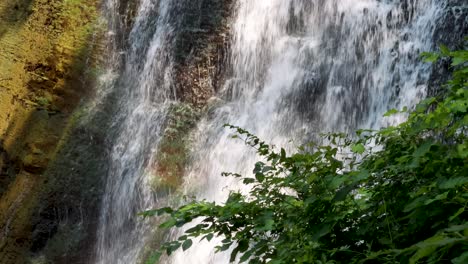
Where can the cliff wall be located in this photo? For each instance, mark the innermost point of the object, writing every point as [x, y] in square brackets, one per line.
[47, 58]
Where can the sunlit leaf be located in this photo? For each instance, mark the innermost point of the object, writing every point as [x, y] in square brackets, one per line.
[358, 148]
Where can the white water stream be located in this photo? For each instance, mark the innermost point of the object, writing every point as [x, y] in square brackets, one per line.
[146, 89]
[299, 67]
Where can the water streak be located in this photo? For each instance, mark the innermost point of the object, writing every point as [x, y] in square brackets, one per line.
[145, 86]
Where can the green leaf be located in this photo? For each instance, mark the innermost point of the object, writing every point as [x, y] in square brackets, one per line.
[358, 148]
[242, 246]
[259, 176]
[157, 212]
[391, 112]
[453, 182]
[258, 167]
[187, 244]
[173, 246]
[362, 174]
[225, 247]
[462, 150]
[337, 181]
[208, 237]
[194, 229]
[462, 259]
[248, 180]
[423, 149]
[269, 223]
[442, 196]
[458, 61]
[457, 228]
[343, 192]
[421, 253]
[168, 224]
[430, 245]
[414, 204]
[430, 57]
[459, 212]
[321, 230]
[246, 256]
[445, 51]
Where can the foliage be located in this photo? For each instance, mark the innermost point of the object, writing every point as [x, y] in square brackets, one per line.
[396, 195]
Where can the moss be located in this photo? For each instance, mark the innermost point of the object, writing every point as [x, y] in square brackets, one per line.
[44, 48]
[173, 151]
[43, 101]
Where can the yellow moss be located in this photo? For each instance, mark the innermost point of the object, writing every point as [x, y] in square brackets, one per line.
[43, 49]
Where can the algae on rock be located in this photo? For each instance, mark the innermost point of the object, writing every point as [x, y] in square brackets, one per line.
[173, 150]
[46, 47]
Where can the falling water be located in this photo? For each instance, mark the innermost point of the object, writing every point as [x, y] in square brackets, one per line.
[145, 91]
[303, 67]
[297, 68]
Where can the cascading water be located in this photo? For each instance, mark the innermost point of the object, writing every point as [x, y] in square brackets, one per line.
[145, 89]
[302, 67]
[299, 67]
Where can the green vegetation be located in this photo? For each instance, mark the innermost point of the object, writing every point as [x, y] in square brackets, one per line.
[396, 195]
[174, 148]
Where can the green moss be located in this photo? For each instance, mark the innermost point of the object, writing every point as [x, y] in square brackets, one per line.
[43, 101]
[173, 151]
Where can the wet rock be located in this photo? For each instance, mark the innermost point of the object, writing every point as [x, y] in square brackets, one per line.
[200, 49]
[212, 104]
[451, 30]
[453, 26]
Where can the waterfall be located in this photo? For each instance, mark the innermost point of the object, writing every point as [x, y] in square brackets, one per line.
[145, 91]
[297, 68]
[304, 67]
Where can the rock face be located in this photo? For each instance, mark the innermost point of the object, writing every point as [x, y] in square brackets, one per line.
[201, 48]
[45, 52]
[450, 32]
